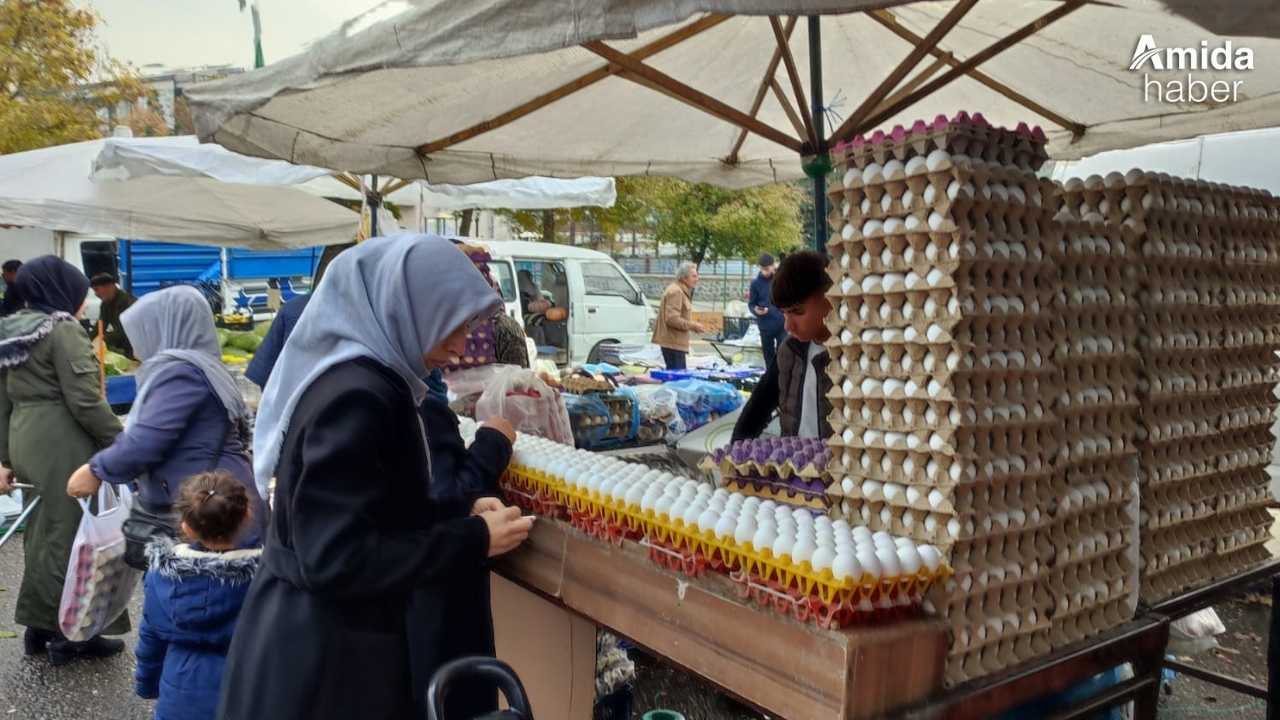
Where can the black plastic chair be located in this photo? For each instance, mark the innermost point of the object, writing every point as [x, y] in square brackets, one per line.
[486, 668]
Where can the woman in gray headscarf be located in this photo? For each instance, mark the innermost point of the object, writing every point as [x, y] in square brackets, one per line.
[323, 633]
[188, 417]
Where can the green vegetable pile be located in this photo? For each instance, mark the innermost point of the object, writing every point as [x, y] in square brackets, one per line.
[116, 364]
[239, 346]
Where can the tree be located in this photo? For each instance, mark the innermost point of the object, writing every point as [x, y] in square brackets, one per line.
[52, 78]
[709, 222]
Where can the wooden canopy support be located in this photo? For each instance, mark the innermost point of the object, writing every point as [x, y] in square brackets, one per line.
[890, 22]
[784, 45]
[920, 78]
[347, 180]
[770, 71]
[663, 43]
[394, 186]
[918, 51]
[1066, 8]
[794, 117]
[693, 98]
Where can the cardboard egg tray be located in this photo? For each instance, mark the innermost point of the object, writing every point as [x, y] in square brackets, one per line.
[1208, 290]
[1094, 567]
[963, 133]
[942, 351]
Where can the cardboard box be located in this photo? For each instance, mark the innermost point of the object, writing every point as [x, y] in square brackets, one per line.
[551, 649]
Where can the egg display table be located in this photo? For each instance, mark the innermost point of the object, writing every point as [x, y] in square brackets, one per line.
[786, 668]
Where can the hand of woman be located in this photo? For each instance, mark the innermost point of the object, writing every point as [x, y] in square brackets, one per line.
[486, 504]
[507, 529]
[6, 480]
[83, 482]
[503, 426]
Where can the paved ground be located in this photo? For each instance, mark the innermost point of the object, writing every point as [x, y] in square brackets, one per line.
[32, 690]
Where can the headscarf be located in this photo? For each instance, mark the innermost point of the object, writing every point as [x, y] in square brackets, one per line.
[55, 290]
[52, 285]
[389, 299]
[172, 326]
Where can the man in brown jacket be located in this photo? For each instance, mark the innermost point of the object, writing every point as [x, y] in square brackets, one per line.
[675, 318]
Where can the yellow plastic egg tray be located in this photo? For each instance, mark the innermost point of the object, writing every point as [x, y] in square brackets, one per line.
[759, 563]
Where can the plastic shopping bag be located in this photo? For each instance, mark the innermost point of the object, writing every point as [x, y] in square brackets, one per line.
[528, 403]
[99, 584]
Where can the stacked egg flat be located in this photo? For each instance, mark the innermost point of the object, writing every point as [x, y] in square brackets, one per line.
[942, 349]
[1248, 244]
[1094, 569]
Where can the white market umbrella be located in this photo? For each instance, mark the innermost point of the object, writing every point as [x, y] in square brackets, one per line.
[186, 157]
[463, 91]
[52, 189]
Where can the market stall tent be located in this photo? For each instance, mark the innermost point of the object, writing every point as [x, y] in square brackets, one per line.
[52, 189]
[463, 91]
[184, 156]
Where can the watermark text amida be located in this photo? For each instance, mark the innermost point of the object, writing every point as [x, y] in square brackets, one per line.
[1186, 87]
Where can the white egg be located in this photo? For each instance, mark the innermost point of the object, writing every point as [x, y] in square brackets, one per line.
[726, 526]
[745, 530]
[889, 565]
[870, 562]
[765, 536]
[803, 548]
[909, 559]
[783, 543]
[845, 566]
[822, 558]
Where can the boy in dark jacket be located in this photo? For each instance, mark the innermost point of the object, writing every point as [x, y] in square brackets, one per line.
[796, 384]
[193, 595]
[768, 317]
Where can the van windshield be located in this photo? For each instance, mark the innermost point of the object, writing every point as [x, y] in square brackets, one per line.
[601, 278]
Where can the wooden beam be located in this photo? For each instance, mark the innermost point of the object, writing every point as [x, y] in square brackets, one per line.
[789, 61]
[785, 102]
[732, 157]
[663, 43]
[890, 22]
[347, 180]
[920, 78]
[394, 186]
[1066, 8]
[918, 51]
[694, 98]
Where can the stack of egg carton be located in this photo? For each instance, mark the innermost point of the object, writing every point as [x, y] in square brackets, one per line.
[1094, 570]
[1181, 339]
[1247, 237]
[943, 335]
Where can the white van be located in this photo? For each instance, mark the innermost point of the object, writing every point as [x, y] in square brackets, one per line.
[604, 304]
[90, 254]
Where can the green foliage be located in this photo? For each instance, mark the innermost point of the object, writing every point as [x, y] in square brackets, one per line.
[704, 221]
[47, 60]
[708, 222]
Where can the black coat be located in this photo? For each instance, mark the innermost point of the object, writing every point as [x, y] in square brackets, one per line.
[324, 631]
[452, 618]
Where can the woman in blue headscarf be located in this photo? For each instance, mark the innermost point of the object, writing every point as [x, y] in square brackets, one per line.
[52, 419]
[355, 531]
[188, 418]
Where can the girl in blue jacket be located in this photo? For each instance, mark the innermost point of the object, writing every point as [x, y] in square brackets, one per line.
[194, 591]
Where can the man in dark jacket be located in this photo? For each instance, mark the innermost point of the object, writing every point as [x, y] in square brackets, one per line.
[796, 384]
[264, 359]
[768, 318]
[114, 302]
[11, 304]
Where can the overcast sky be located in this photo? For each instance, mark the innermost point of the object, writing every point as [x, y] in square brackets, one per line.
[182, 33]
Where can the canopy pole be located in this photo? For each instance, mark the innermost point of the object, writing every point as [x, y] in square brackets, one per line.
[374, 203]
[819, 178]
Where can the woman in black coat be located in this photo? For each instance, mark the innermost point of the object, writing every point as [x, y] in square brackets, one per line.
[355, 532]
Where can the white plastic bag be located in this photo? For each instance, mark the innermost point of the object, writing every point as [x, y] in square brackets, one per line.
[99, 584]
[528, 403]
[1195, 633]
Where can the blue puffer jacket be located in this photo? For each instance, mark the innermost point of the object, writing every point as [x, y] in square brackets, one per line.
[192, 600]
